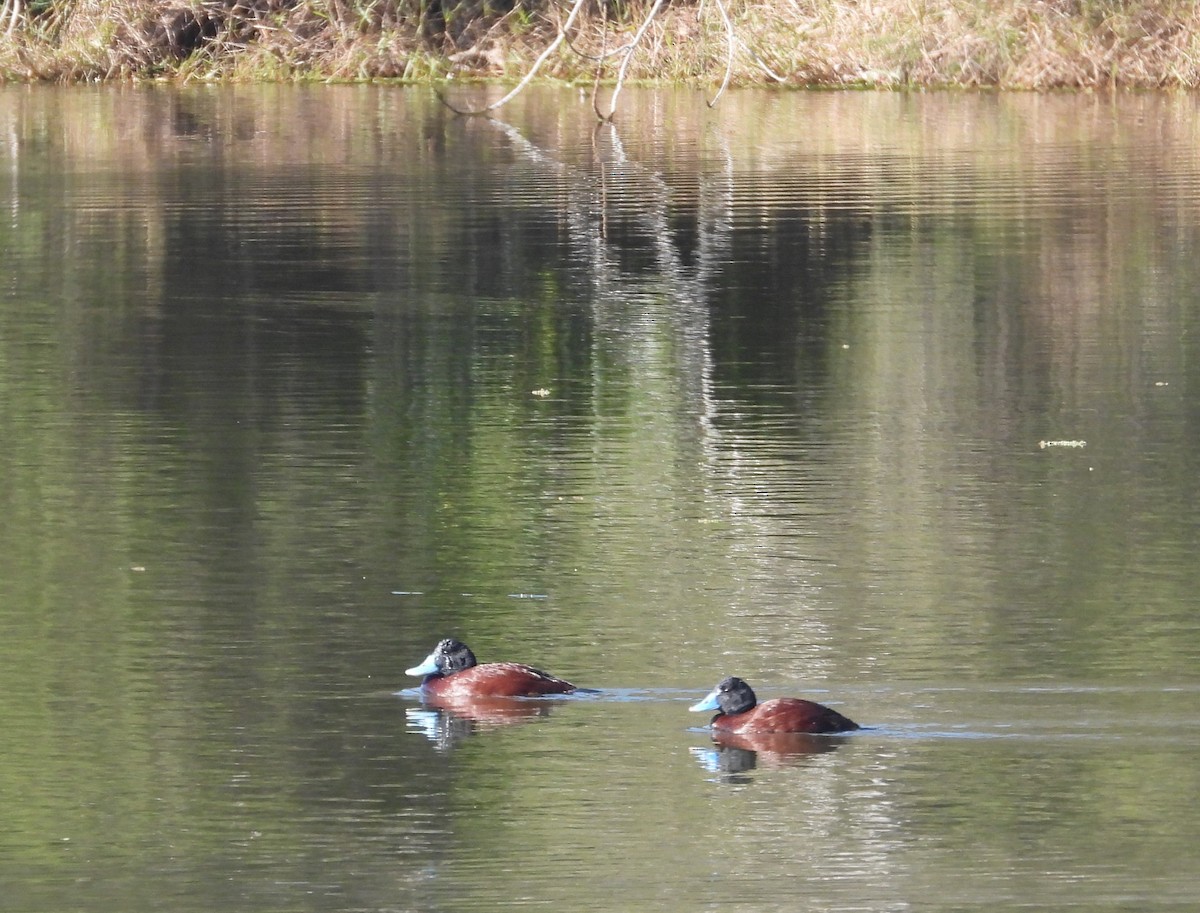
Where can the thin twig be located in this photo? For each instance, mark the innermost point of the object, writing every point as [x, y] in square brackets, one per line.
[757, 58]
[602, 56]
[600, 62]
[730, 42]
[604, 52]
[562, 34]
[628, 57]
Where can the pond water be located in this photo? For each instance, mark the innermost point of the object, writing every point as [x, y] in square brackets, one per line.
[887, 400]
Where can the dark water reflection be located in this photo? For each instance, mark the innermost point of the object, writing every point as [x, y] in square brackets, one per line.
[296, 381]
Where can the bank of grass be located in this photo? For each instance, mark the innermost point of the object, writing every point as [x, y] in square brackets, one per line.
[1018, 44]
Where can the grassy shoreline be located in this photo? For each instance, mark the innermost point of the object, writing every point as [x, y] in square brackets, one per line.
[1006, 44]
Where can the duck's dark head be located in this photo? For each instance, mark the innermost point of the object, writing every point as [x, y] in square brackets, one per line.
[448, 656]
[731, 696]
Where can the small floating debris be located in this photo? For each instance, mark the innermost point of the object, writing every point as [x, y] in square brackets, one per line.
[1045, 444]
[1162, 383]
[407, 593]
[528, 596]
[540, 391]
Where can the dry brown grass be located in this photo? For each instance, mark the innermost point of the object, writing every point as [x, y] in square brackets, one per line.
[1022, 44]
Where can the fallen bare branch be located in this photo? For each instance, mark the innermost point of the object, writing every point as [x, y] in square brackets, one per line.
[629, 56]
[603, 56]
[11, 10]
[730, 44]
[558, 39]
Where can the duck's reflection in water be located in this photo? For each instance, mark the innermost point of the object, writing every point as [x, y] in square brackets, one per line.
[736, 753]
[447, 720]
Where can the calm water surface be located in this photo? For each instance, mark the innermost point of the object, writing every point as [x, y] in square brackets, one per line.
[892, 401]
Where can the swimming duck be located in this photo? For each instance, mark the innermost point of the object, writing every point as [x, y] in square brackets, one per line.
[738, 711]
[451, 670]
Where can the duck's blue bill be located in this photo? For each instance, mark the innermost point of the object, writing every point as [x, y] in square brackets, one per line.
[428, 667]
